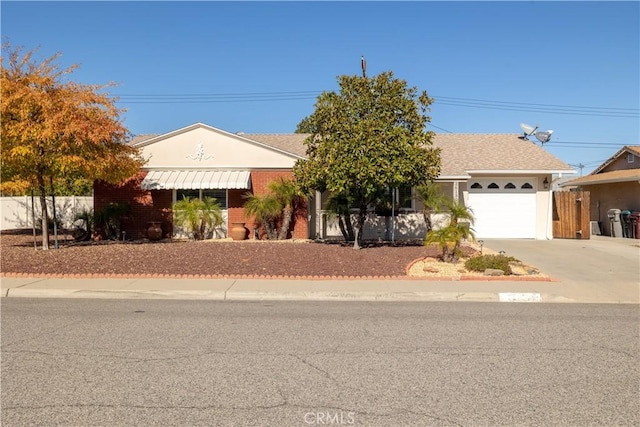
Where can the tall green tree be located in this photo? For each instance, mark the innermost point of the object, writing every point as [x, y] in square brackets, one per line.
[365, 138]
[53, 127]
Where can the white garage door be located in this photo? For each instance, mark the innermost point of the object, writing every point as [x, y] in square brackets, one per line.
[503, 208]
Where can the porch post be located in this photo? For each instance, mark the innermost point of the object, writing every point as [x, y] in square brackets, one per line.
[319, 230]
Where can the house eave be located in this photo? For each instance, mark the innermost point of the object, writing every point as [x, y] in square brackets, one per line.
[203, 125]
[520, 171]
[573, 183]
[453, 177]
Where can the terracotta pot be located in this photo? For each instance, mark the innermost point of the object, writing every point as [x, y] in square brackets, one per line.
[238, 232]
[154, 231]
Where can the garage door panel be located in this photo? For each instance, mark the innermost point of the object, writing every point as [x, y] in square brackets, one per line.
[504, 214]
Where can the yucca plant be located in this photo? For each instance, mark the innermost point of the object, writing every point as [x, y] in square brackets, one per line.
[196, 216]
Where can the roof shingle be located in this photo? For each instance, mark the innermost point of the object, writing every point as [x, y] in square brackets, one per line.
[460, 153]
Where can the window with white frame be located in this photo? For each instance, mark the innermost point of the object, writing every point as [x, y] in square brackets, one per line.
[630, 158]
[219, 195]
[405, 198]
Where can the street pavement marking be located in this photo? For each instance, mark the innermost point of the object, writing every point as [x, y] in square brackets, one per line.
[519, 297]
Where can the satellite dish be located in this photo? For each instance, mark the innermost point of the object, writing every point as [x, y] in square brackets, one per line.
[527, 129]
[543, 136]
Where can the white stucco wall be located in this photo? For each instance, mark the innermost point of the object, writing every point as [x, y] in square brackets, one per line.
[218, 150]
[15, 212]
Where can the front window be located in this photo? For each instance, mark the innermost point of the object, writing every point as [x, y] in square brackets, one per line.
[404, 197]
[219, 195]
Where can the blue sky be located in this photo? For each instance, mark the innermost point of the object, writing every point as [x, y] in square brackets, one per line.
[257, 67]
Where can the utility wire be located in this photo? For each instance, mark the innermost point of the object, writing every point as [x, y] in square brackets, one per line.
[539, 105]
[437, 127]
[198, 98]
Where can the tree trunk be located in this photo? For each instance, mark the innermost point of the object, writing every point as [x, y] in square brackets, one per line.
[287, 213]
[343, 230]
[427, 219]
[33, 220]
[362, 216]
[351, 234]
[45, 216]
[269, 230]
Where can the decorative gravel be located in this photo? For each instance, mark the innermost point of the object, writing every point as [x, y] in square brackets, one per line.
[211, 258]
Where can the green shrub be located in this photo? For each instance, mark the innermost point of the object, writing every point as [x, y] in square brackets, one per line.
[482, 262]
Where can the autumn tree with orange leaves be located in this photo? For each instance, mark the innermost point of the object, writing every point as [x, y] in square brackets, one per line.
[54, 128]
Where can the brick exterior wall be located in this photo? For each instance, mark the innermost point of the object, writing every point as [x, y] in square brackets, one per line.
[154, 205]
[259, 181]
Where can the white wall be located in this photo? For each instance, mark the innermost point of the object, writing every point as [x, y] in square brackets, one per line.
[219, 150]
[15, 212]
[406, 226]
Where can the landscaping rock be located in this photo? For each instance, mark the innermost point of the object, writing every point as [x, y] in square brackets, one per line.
[493, 272]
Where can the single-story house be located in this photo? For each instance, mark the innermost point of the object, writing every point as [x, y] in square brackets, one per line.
[615, 184]
[504, 179]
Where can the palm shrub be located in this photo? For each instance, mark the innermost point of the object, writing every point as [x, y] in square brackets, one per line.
[450, 238]
[288, 194]
[196, 216]
[84, 230]
[109, 219]
[433, 200]
[266, 209]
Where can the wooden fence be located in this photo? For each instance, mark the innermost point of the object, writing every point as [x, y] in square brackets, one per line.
[571, 217]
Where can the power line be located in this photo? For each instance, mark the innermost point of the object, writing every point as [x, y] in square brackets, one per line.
[198, 98]
[593, 162]
[539, 105]
[540, 110]
[437, 127]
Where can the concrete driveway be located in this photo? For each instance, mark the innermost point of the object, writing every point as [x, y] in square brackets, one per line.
[601, 263]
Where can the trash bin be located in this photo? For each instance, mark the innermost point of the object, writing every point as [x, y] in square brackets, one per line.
[614, 220]
[625, 222]
[635, 224]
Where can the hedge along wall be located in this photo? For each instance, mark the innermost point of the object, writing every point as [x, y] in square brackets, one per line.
[146, 205]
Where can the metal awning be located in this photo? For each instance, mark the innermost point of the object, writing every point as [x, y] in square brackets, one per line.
[196, 179]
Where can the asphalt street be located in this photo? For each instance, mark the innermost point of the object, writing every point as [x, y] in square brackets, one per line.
[195, 363]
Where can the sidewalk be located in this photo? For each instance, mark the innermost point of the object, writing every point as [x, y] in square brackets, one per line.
[315, 290]
[600, 270]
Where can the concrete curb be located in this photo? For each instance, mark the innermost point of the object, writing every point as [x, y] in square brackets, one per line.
[364, 296]
[109, 293]
[465, 277]
[252, 295]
